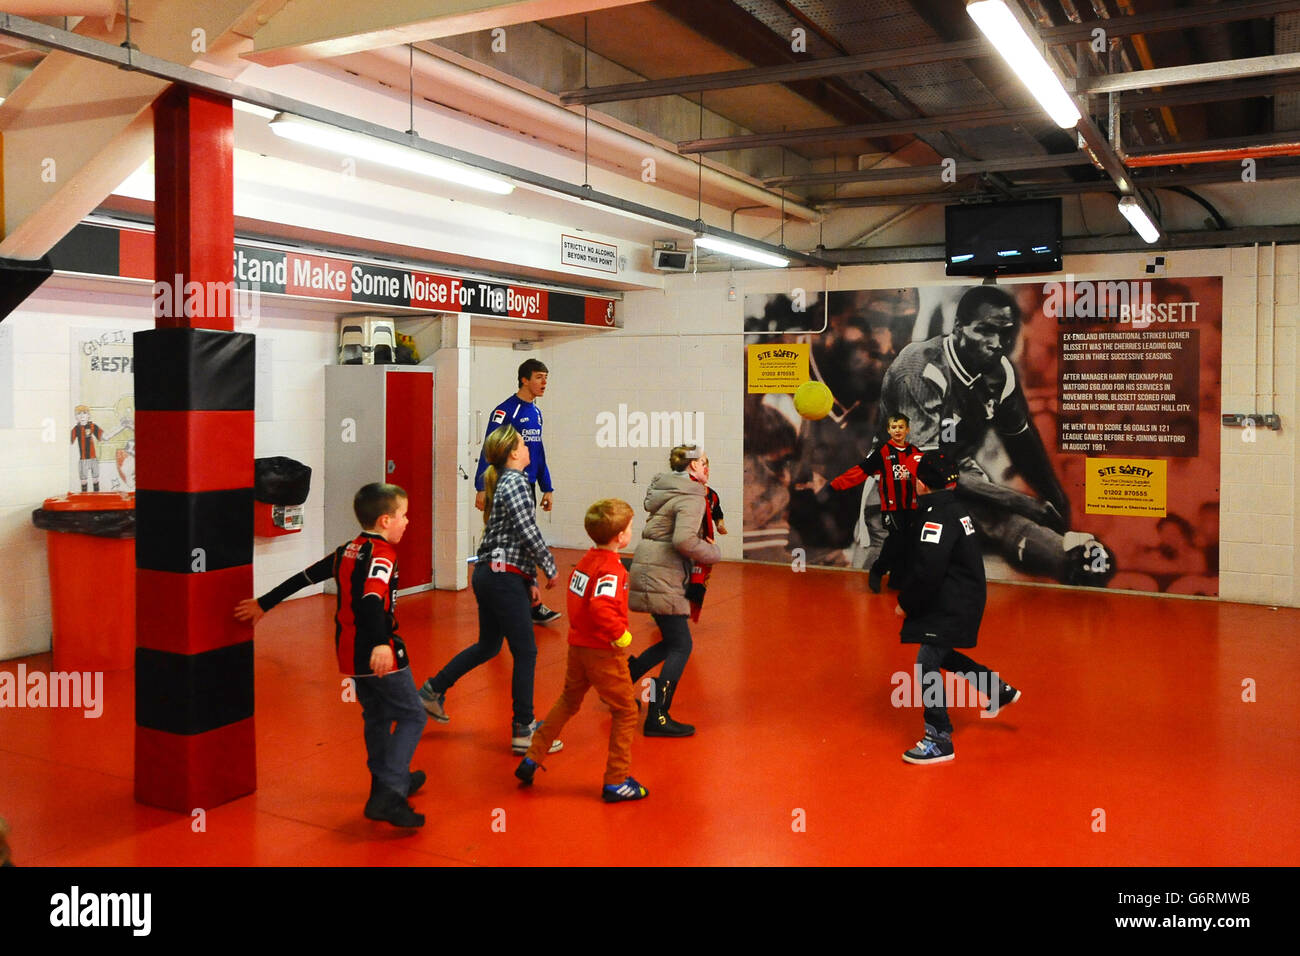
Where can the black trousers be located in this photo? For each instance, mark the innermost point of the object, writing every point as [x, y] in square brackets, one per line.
[932, 659]
[673, 650]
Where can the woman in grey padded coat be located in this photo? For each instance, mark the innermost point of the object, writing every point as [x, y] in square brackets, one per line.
[661, 569]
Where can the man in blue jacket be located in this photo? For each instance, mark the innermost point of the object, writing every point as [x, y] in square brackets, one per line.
[521, 411]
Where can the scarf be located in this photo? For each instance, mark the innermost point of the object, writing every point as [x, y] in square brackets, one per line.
[700, 572]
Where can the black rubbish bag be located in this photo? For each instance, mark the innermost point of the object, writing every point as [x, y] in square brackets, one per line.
[119, 523]
[281, 481]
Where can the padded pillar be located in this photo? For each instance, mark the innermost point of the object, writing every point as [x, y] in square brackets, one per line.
[194, 480]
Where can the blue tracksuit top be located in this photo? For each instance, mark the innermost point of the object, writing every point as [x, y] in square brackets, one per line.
[526, 418]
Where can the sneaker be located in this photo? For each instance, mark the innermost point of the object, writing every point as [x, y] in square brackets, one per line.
[934, 747]
[526, 769]
[433, 701]
[544, 615]
[418, 778]
[521, 738]
[1007, 695]
[629, 789]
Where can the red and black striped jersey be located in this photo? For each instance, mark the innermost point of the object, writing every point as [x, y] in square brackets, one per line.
[85, 436]
[365, 572]
[897, 470]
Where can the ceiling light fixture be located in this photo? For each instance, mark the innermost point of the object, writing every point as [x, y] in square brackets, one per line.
[1009, 37]
[741, 251]
[386, 154]
[253, 109]
[1132, 211]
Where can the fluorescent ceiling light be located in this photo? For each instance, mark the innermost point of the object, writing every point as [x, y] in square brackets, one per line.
[741, 252]
[1137, 217]
[386, 154]
[1022, 54]
[253, 108]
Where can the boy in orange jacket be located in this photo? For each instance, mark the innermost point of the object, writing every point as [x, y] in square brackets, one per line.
[598, 640]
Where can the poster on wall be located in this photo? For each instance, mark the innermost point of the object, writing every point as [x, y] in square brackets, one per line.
[1084, 415]
[102, 437]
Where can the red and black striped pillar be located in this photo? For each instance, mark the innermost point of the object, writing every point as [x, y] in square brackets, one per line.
[194, 745]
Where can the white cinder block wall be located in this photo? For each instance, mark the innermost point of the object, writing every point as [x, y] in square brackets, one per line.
[31, 470]
[674, 354]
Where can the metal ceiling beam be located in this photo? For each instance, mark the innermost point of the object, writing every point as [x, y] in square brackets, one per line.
[971, 168]
[1197, 73]
[1083, 245]
[1219, 92]
[1129, 102]
[199, 79]
[927, 53]
[932, 124]
[1267, 170]
[811, 69]
[1179, 19]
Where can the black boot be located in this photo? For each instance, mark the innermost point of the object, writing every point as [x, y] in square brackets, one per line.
[658, 722]
[390, 806]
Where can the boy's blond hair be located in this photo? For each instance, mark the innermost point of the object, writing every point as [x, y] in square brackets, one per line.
[606, 519]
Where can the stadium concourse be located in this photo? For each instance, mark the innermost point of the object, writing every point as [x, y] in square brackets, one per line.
[1147, 754]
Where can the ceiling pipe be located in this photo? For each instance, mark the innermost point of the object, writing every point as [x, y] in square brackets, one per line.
[63, 8]
[1214, 155]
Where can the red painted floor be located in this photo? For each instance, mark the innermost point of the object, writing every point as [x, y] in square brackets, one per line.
[1133, 707]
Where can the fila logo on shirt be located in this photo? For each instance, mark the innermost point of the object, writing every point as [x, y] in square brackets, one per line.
[578, 582]
[606, 586]
[967, 524]
[498, 416]
[930, 531]
[381, 568]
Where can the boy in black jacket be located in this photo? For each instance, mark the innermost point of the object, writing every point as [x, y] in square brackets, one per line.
[943, 603]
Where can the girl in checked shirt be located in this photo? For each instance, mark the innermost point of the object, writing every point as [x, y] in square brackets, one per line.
[510, 556]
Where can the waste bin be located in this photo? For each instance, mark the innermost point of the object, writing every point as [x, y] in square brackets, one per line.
[91, 545]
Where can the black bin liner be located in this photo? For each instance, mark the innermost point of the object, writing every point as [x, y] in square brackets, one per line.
[281, 481]
[119, 523]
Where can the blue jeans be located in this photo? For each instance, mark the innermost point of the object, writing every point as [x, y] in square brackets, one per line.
[394, 719]
[504, 610]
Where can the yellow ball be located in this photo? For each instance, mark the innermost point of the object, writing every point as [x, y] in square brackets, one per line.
[813, 400]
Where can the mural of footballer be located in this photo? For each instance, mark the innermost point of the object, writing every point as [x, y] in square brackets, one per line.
[958, 388]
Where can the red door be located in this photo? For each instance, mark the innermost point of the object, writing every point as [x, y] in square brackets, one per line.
[409, 450]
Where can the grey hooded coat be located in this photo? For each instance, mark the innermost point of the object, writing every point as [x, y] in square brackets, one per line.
[670, 541]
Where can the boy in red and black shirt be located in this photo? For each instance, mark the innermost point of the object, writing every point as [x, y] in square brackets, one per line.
[598, 640]
[369, 648]
[894, 463]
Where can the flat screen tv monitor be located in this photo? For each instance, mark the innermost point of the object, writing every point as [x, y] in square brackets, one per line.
[1004, 238]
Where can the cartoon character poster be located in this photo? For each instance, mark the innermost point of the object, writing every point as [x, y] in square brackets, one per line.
[1058, 399]
[102, 436]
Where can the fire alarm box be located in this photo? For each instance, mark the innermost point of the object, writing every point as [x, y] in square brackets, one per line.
[270, 520]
